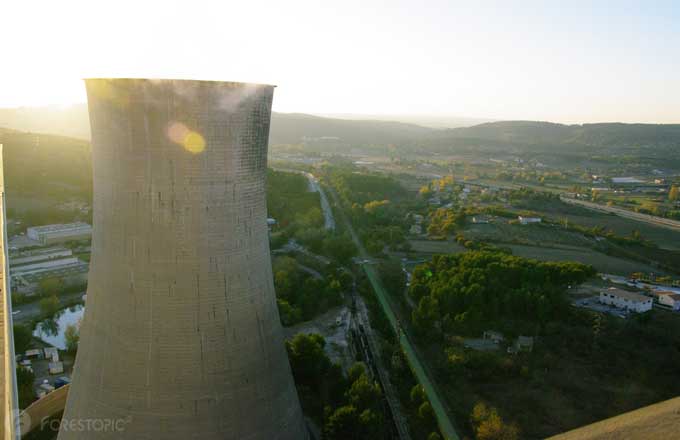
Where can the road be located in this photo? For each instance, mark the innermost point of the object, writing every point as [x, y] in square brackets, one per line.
[445, 424]
[329, 221]
[30, 311]
[673, 225]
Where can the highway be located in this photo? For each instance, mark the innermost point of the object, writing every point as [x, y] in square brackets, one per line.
[446, 426]
[673, 225]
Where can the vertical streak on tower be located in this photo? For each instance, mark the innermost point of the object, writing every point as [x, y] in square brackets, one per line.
[181, 336]
[9, 430]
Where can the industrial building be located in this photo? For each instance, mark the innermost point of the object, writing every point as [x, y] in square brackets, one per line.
[59, 233]
[28, 267]
[181, 336]
[623, 299]
[9, 401]
[35, 255]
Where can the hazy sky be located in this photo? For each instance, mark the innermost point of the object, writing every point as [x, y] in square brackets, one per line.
[564, 61]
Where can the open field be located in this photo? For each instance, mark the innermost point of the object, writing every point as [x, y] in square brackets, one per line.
[665, 223]
[436, 247]
[601, 262]
[541, 234]
[663, 237]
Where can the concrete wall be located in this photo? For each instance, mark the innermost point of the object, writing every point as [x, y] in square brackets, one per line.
[8, 385]
[181, 335]
[38, 413]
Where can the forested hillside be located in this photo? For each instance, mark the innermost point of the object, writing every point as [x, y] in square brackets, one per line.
[46, 164]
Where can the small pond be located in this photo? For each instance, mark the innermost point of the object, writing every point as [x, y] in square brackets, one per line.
[52, 330]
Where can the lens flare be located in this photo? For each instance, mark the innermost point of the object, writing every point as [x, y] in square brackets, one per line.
[177, 132]
[192, 141]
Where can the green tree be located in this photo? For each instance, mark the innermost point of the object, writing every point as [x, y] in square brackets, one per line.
[356, 371]
[364, 394]
[340, 247]
[425, 316]
[50, 286]
[488, 425]
[25, 379]
[674, 194]
[371, 424]
[425, 191]
[343, 424]
[418, 394]
[307, 358]
[425, 412]
[22, 338]
[49, 305]
[72, 337]
[289, 314]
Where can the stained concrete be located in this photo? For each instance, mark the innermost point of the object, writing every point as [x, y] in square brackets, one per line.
[181, 336]
[9, 428]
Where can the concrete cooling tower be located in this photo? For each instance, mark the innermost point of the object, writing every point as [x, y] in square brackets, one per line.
[181, 336]
[9, 411]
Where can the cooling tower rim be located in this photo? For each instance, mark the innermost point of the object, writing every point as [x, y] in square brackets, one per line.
[185, 81]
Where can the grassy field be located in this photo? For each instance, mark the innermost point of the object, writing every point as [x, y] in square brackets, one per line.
[436, 247]
[556, 252]
[541, 234]
[601, 262]
[662, 237]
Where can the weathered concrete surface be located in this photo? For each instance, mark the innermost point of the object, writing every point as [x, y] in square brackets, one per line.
[9, 429]
[181, 335]
[37, 414]
[660, 421]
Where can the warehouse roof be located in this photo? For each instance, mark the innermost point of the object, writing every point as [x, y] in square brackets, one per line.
[60, 227]
[630, 296]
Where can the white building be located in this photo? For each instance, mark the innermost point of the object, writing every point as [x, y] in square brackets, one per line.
[626, 300]
[528, 220]
[49, 234]
[668, 298]
[624, 180]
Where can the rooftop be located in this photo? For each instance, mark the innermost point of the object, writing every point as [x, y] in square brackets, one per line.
[630, 296]
[60, 227]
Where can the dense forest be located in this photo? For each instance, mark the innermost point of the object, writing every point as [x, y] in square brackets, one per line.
[46, 164]
[470, 292]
